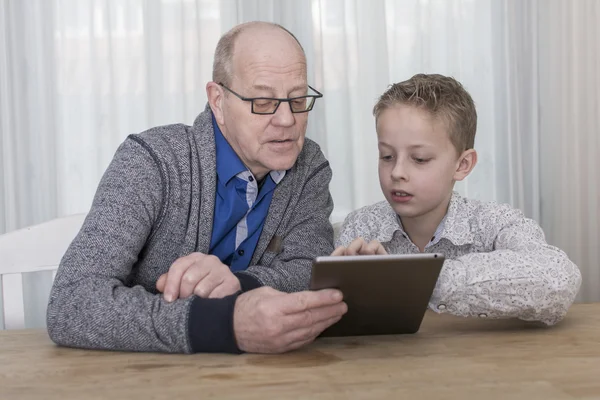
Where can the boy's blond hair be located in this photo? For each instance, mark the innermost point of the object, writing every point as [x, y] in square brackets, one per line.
[443, 97]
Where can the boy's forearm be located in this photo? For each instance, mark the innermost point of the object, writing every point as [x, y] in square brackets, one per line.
[537, 285]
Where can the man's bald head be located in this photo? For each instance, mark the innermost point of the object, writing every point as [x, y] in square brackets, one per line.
[223, 65]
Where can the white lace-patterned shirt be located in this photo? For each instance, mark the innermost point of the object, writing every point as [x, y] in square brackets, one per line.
[498, 264]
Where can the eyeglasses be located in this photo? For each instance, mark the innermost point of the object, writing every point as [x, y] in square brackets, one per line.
[269, 105]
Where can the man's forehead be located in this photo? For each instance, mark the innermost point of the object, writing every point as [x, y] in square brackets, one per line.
[291, 86]
[268, 76]
[264, 36]
[267, 45]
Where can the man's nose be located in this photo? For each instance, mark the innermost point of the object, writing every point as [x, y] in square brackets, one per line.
[284, 116]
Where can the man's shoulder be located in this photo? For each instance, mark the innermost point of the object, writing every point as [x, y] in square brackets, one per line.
[164, 139]
[175, 142]
[311, 157]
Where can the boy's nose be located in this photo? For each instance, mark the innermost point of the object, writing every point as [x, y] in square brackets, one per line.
[399, 172]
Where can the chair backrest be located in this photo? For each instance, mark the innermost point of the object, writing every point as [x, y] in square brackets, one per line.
[29, 258]
[337, 227]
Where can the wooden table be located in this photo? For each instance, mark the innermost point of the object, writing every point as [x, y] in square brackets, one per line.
[450, 358]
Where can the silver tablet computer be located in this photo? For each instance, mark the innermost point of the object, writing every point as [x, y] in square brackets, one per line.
[386, 294]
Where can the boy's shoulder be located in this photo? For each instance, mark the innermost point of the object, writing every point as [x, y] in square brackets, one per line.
[369, 222]
[469, 220]
[460, 207]
[381, 211]
[492, 211]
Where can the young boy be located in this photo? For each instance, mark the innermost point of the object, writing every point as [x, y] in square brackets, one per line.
[498, 264]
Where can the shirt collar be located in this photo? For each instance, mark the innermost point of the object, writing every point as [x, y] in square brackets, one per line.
[277, 176]
[230, 165]
[454, 227]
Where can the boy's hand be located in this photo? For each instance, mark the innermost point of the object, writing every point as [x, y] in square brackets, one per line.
[360, 247]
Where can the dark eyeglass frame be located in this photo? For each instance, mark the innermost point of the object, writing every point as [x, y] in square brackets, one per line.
[313, 98]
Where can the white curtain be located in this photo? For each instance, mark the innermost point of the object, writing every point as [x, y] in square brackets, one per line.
[78, 76]
[363, 46]
[569, 76]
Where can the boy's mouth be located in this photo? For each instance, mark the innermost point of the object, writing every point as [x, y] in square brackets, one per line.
[400, 196]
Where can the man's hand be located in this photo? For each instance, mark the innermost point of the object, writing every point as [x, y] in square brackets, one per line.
[268, 321]
[200, 274]
[360, 247]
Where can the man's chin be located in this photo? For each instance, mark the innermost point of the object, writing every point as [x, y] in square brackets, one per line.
[280, 167]
[281, 163]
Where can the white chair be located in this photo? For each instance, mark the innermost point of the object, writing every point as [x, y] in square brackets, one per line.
[337, 227]
[29, 258]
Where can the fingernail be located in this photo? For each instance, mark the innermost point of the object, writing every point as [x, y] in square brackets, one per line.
[169, 297]
[336, 296]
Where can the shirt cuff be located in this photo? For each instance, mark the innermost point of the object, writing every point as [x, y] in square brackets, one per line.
[247, 281]
[210, 325]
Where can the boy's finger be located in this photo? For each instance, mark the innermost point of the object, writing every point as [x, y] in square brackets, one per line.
[355, 247]
[376, 248]
[339, 251]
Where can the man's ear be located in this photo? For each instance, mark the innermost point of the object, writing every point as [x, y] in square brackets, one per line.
[466, 163]
[216, 95]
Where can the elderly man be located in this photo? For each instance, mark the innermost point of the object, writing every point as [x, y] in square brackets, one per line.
[198, 235]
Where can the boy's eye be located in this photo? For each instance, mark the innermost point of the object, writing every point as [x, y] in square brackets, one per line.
[386, 158]
[419, 160]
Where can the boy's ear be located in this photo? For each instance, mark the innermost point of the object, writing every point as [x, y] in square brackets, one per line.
[466, 163]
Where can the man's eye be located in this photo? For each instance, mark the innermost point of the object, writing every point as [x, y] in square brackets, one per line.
[264, 106]
[263, 103]
[299, 102]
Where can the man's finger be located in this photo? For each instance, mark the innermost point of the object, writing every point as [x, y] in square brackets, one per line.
[160, 283]
[313, 316]
[215, 274]
[208, 283]
[192, 277]
[175, 275]
[218, 292]
[301, 301]
[225, 289]
[304, 336]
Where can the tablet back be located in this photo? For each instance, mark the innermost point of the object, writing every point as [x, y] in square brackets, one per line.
[385, 294]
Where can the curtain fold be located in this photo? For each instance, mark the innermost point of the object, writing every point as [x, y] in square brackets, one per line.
[29, 128]
[569, 65]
